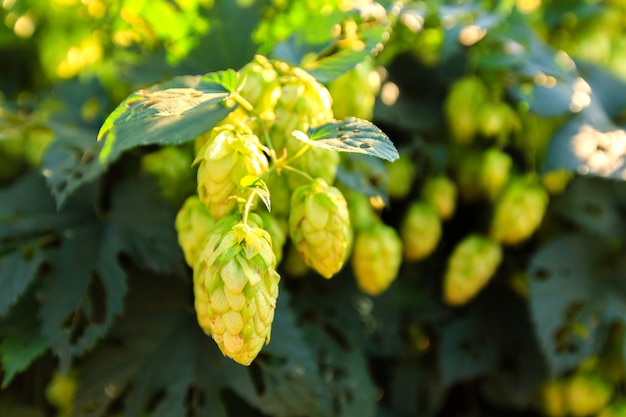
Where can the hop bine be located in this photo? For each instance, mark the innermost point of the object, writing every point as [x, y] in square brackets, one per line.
[236, 286]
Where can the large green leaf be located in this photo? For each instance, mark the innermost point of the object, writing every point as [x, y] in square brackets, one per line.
[170, 113]
[351, 135]
[159, 327]
[576, 291]
[21, 339]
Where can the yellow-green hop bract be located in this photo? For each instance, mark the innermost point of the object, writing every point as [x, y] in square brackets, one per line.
[376, 258]
[420, 230]
[472, 264]
[518, 212]
[231, 153]
[235, 288]
[193, 225]
[441, 192]
[319, 226]
[462, 108]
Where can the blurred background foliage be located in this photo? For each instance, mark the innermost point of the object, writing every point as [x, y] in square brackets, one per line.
[516, 107]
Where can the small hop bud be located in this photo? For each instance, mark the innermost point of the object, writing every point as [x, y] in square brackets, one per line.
[420, 230]
[376, 258]
[441, 192]
[235, 288]
[319, 226]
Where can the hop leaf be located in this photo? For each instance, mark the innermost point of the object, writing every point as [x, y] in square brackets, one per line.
[420, 230]
[235, 288]
[470, 267]
[319, 226]
[231, 153]
[193, 225]
[376, 258]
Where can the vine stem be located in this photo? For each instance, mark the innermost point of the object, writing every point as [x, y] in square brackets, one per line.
[252, 112]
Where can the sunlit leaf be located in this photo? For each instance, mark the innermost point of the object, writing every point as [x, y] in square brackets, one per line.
[350, 135]
[170, 113]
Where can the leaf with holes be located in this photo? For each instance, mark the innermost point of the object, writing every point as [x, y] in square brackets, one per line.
[71, 161]
[596, 205]
[159, 326]
[21, 339]
[467, 350]
[170, 113]
[576, 291]
[350, 135]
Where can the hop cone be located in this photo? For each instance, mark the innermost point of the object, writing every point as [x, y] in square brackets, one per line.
[587, 394]
[230, 154]
[319, 226]
[262, 87]
[494, 172]
[420, 230]
[518, 212]
[401, 174]
[470, 267]
[440, 191]
[193, 225]
[376, 258]
[235, 288]
[462, 108]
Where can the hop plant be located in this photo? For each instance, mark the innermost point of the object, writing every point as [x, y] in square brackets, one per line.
[495, 172]
[498, 120]
[362, 214]
[193, 225]
[552, 398]
[231, 153]
[518, 212]
[278, 229]
[441, 192]
[236, 286]
[376, 258]
[319, 226]
[420, 230]
[261, 87]
[472, 264]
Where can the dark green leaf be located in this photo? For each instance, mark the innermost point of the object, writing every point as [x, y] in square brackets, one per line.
[21, 340]
[71, 161]
[596, 205]
[17, 270]
[576, 291]
[351, 135]
[170, 113]
[467, 350]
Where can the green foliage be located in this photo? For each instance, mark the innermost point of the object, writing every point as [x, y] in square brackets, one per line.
[97, 309]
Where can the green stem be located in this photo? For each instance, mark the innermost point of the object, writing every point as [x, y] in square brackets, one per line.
[297, 171]
[248, 206]
[252, 112]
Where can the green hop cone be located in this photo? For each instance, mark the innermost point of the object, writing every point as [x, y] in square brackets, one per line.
[235, 288]
[319, 226]
[462, 108]
[587, 394]
[441, 192]
[193, 224]
[230, 154]
[552, 397]
[354, 92]
[362, 214]
[420, 230]
[495, 171]
[518, 212]
[376, 258]
[472, 264]
[401, 173]
[498, 120]
[616, 409]
[261, 88]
